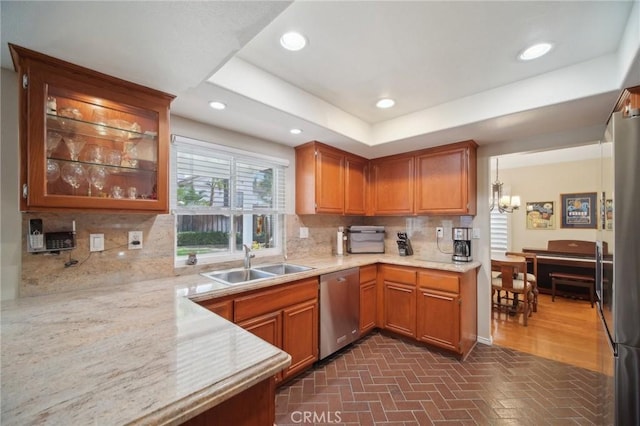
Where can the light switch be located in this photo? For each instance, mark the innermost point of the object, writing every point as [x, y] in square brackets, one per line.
[304, 232]
[96, 242]
[476, 233]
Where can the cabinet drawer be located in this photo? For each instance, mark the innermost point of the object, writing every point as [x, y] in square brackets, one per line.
[223, 308]
[273, 299]
[368, 273]
[449, 282]
[399, 275]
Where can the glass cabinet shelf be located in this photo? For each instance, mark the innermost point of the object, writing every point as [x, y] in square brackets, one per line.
[90, 141]
[107, 131]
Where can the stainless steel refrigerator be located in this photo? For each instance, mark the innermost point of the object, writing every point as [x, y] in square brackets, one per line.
[618, 273]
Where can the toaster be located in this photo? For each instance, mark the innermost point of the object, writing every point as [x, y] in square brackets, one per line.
[365, 239]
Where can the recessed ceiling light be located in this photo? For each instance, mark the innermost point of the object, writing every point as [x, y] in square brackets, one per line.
[535, 51]
[293, 41]
[385, 103]
[217, 105]
[295, 131]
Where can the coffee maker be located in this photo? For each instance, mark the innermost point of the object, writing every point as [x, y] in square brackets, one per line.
[462, 245]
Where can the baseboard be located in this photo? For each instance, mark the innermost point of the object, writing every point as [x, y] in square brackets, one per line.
[485, 341]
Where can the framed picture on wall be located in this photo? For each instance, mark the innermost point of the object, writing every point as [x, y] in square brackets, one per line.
[579, 211]
[540, 215]
[608, 214]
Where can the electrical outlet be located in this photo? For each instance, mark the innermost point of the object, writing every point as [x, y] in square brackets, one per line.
[135, 240]
[304, 232]
[96, 242]
[439, 232]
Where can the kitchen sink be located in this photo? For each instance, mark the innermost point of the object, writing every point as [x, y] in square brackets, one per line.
[241, 275]
[238, 276]
[282, 268]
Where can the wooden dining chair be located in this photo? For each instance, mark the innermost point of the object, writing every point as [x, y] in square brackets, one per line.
[507, 280]
[532, 277]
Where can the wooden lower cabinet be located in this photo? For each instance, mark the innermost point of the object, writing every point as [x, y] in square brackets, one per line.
[368, 298]
[269, 328]
[400, 308]
[300, 336]
[285, 316]
[399, 297]
[432, 306]
[439, 318]
[261, 398]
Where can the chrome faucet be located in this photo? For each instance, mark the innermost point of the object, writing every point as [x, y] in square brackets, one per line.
[247, 257]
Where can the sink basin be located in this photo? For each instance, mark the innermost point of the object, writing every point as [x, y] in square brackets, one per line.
[238, 276]
[282, 268]
[241, 275]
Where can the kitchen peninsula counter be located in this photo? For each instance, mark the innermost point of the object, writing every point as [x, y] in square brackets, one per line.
[131, 354]
[142, 353]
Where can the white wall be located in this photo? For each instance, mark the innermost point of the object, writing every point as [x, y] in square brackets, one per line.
[10, 218]
[546, 183]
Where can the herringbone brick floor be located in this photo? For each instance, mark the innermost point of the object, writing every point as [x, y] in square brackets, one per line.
[383, 380]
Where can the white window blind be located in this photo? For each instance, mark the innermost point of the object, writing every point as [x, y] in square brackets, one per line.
[212, 178]
[499, 231]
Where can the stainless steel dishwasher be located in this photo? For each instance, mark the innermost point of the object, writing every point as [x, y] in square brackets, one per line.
[339, 310]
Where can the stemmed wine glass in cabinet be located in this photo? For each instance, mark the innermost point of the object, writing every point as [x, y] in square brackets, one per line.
[74, 145]
[53, 168]
[74, 174]
[98, 176]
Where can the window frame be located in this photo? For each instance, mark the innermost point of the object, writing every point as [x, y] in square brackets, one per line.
[234, 155]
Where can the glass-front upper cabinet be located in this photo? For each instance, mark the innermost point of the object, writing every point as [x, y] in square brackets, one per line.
[90, 141]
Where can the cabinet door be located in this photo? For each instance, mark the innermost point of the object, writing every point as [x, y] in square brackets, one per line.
[329, 181]
[267, 327]
[392, 185]
[438, 315]
[400, 308]
[443, 182]
[367, 307]
[89, 141]
[300, 336]
[355, 192]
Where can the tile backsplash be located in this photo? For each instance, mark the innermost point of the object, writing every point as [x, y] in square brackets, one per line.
[43, 273]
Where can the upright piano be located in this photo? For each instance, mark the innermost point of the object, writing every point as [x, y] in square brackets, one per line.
[568, 256]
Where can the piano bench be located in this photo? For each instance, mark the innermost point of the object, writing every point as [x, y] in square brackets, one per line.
[575, 280]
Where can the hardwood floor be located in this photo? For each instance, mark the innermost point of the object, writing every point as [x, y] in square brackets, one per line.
[566, 330]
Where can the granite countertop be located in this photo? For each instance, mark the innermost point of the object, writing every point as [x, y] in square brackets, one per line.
[199, 289]
[131, 354]
[142, 353]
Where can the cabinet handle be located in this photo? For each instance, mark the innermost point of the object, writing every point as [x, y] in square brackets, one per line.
[25, 81]
[25, 190]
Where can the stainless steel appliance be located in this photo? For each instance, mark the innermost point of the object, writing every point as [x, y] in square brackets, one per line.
[462, 244]
[339, 310]
[618, 285]
[365, 239]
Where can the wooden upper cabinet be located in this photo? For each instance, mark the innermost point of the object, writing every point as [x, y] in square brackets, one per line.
[446, 180]
[329, 180]
[392, 185]
[88, 141]
[355, 179]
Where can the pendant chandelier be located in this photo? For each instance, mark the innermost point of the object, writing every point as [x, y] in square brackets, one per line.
[503, 202]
